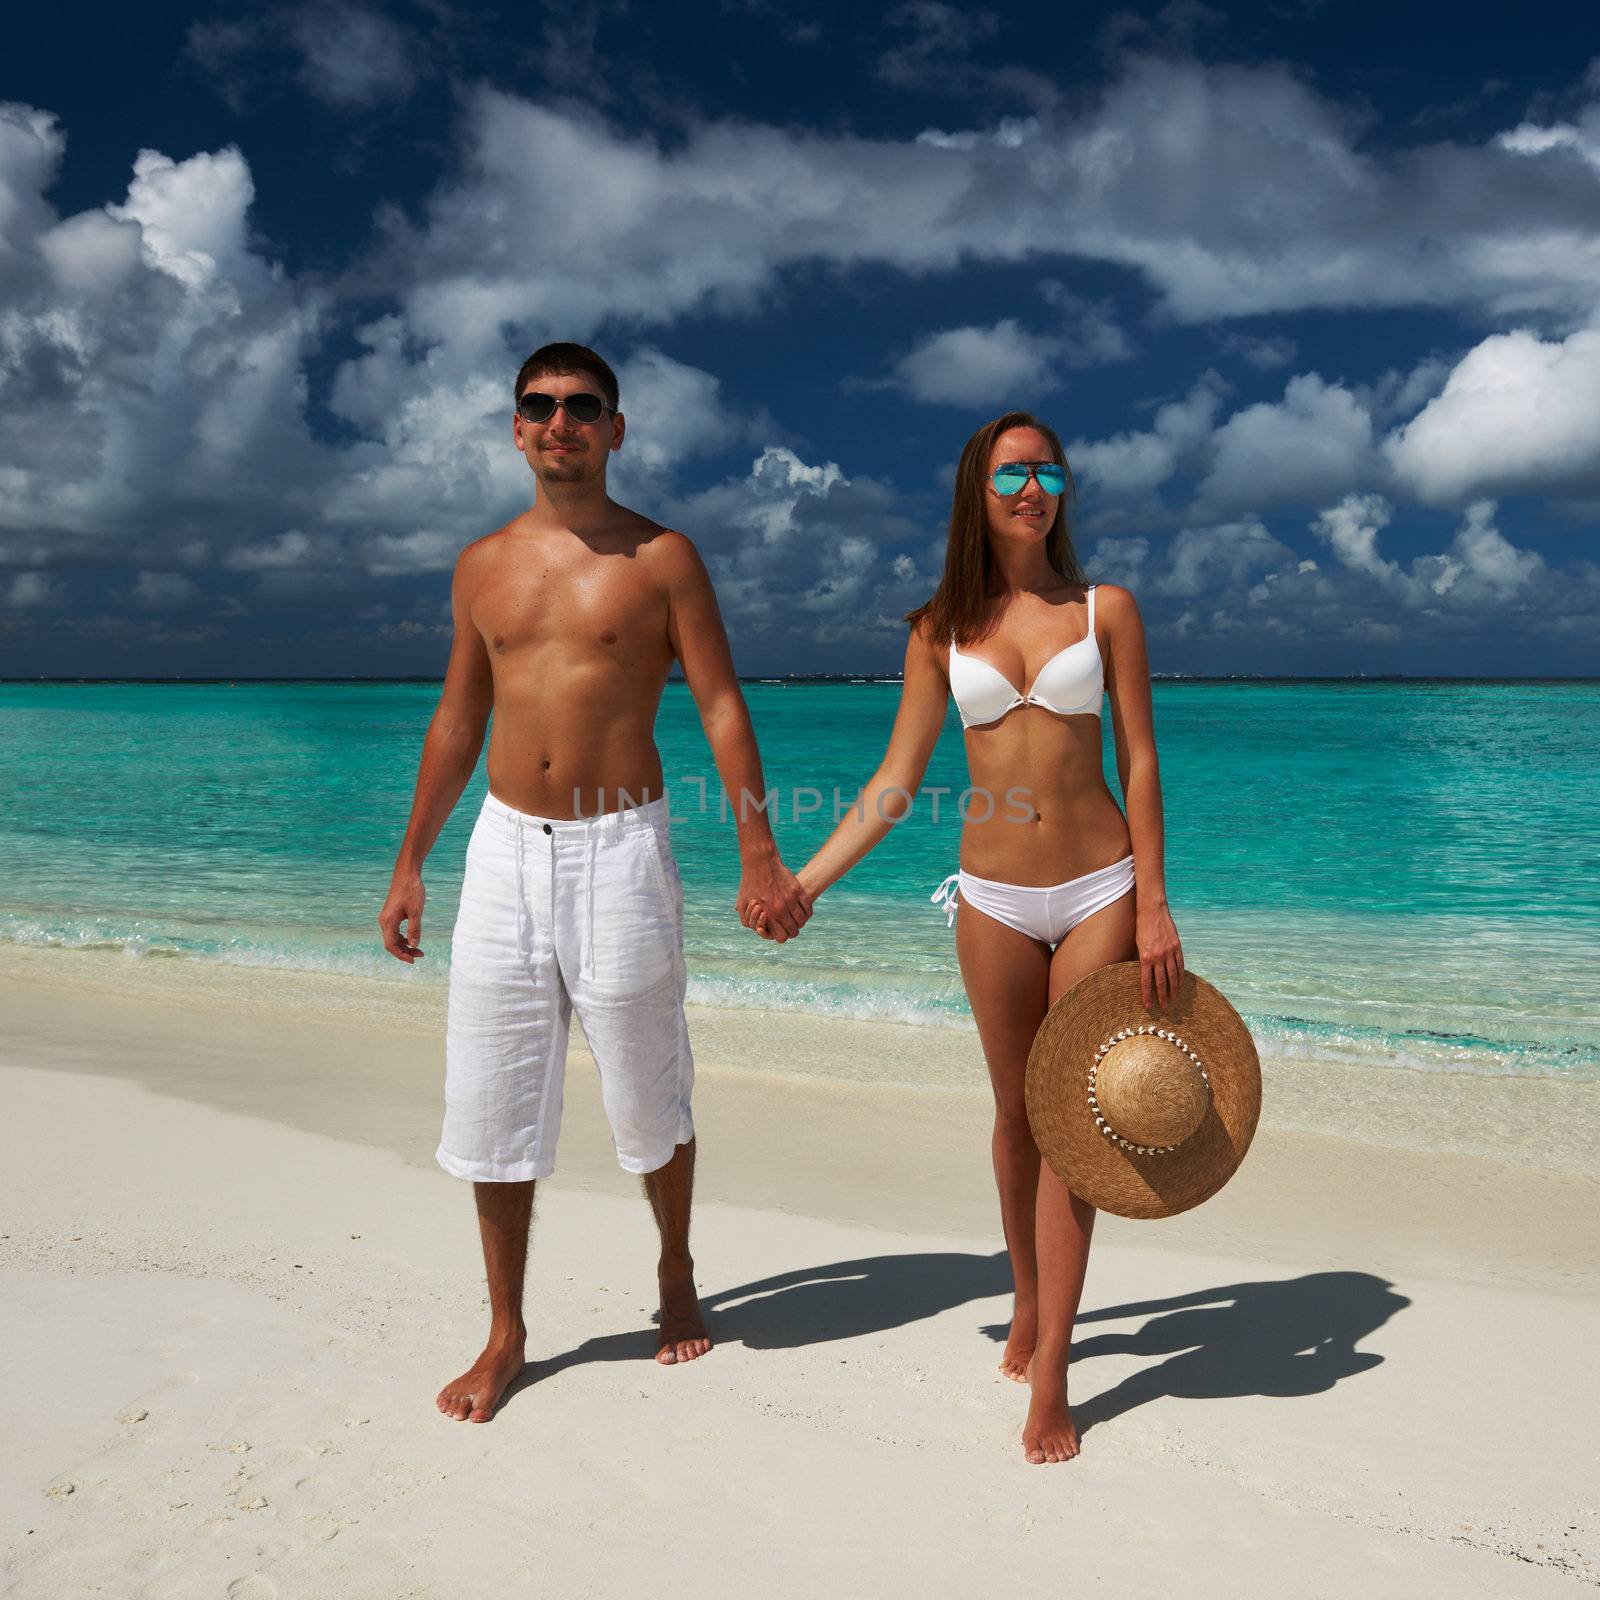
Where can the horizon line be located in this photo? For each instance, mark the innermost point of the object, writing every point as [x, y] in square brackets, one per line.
[203, 679]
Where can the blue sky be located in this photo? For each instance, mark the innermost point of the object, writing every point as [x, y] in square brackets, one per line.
[1311, 290]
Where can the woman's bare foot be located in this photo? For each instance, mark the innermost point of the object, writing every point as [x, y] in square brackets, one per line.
[1049, 1434]
[683, 1330]
[1020, 1342]
[475, 1394]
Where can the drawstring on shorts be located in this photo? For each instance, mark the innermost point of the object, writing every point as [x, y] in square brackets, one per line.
[610, 825]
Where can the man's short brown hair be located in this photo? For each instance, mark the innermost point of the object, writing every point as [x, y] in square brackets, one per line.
[567, 361]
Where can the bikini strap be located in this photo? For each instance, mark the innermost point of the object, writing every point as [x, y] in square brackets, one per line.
[1092, 588]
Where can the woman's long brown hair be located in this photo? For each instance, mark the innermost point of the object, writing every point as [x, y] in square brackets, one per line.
[960, 605]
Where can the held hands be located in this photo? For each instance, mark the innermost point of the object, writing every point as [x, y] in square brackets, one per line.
[1160, 953]
[772, 901]
[404, 906]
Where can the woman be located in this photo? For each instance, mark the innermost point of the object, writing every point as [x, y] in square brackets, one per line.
[1054, 882]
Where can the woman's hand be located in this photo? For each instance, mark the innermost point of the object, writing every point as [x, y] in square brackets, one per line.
[1160, 953]
[768, 891]
[758, 916]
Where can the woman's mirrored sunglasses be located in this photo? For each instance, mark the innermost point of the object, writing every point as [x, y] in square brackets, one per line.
[536, 407]
[1010, 476]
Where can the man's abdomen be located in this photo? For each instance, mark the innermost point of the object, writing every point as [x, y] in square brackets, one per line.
[578, 754]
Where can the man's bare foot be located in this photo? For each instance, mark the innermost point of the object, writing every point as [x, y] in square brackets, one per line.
[1049, 1434]
[1019, 1343]
[475, 1394]
[683, 1329]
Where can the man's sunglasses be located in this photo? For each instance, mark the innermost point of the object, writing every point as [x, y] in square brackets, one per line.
[534, 407]
[1011, 476]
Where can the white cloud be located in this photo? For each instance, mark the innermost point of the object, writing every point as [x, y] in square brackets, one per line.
[1222, 556]
[171, 302]
[1132, 466]
[204, 345]
[1487, 556]
[1397, 395]
[1091, 335]
[1517, 413]
[1351, 530]
[444, 470]
[191, 217]
[352, 56]
[1146, 176]
[151, 364]
[347, 55]
[1480, 572]
[31, 147]
[940, 37]
[1119, 561]
[30, 589]
[675, 412]
[1317, 441]
[802, 554]
[289, 549]
[1010, 133]
[1002, 365]
[1581, 138]
[1266, 353]
[161, 589]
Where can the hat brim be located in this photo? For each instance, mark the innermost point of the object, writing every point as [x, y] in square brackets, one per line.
[1095, 1167]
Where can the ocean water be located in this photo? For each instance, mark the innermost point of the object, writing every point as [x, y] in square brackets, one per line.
[1400, 873]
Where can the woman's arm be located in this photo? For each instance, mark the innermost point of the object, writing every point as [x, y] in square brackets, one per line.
[924, 698]
[1133, 724]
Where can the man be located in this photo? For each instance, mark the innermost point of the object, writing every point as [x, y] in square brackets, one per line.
[567, 621]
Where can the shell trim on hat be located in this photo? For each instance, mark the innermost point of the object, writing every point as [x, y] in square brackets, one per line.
[1094, 1071]
[1169, 1134]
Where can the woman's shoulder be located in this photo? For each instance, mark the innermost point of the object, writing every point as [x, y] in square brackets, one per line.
[1112, 601]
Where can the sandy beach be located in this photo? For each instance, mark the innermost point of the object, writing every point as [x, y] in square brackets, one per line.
[233, 1281]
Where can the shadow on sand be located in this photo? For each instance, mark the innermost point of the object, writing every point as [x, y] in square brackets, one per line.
[1282, 1337]
[1276, 1336]
[813, 1305]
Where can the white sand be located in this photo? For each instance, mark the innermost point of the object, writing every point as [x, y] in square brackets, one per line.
[232, 1283]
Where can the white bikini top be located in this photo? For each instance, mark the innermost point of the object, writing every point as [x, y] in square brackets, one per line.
[1071, 683]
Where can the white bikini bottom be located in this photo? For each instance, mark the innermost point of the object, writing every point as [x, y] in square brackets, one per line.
[1047, 914]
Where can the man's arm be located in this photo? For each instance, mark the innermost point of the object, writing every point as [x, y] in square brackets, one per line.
[701, 645]
[449, 753]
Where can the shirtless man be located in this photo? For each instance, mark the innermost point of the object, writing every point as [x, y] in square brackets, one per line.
[567, 621]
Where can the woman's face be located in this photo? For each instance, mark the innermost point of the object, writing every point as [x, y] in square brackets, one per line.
[1028, 513]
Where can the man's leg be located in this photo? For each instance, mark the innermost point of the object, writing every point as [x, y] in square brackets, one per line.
[504, 1212]
[670, 1190]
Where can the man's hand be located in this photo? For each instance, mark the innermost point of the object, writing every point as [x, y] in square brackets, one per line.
[771, 899]
[404, 906]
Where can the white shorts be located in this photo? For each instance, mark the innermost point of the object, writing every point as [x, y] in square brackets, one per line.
[555, 916]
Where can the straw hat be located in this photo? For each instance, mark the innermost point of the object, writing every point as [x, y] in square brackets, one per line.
[1143, 1113]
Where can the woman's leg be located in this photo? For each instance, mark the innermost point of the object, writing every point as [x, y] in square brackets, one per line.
[1007, 975]
[1064, 1222]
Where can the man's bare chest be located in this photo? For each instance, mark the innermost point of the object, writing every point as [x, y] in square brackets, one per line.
[606, 602]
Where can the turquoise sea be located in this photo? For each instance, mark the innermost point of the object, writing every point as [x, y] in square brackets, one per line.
[1405, 873]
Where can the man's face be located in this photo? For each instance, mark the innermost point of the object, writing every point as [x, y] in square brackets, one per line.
[561, 450]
